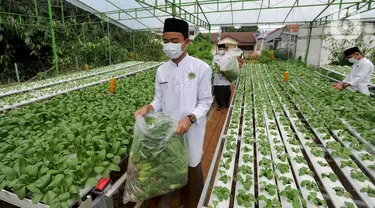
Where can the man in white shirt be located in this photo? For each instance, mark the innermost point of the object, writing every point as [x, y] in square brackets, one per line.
[221, 83]
[360, 76]
[183, 91]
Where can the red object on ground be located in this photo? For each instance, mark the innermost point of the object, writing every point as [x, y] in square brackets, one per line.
[102, 183]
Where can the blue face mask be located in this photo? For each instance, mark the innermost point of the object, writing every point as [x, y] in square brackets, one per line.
[221, 52]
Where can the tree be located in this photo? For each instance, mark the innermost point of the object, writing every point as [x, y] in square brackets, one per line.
[241, 29]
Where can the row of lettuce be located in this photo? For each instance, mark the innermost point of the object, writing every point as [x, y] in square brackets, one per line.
[50, 150]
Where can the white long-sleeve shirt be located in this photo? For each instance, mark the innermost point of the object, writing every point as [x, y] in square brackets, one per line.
[184, 89]
[219, 79]
[360, 76]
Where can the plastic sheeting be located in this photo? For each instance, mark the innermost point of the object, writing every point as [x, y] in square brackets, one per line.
[135, 16]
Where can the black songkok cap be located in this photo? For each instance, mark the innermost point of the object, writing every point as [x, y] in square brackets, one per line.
[350, 51]
[176, 25]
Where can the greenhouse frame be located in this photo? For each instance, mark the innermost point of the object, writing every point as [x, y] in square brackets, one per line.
[284, 142]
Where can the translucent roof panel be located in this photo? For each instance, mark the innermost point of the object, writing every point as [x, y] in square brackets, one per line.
[150, 14]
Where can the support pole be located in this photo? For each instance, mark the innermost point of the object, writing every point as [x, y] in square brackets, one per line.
[18, 76]
[133, 47]
[308, 43]
[209, 33]
[174, 9]
[52, 27]
[62, 12]
[36, 11]
[109, 44]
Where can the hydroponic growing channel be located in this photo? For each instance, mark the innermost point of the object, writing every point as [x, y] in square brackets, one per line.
[300, 143]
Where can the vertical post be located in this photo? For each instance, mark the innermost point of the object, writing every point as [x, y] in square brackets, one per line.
[18, 76]
[109, 44]
[174, 9]
[36, 11]
[52, 27]
[133, 47]
[62, 12]
[308, 43]
[209, 32]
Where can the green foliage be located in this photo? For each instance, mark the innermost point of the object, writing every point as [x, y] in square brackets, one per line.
[56, 147]
[265, 57]
[336, 47]
[244, 199]
[158, 161]
[83, 38]
[293, 196]
[200, 48]
[284, 54]
[221, 192]
[341, 192]
[241, 29]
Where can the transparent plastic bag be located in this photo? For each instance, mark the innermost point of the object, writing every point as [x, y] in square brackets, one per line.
[158, 161]
[232, 70]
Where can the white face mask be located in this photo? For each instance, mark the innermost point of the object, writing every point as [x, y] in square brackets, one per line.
[173, 50]
[221, 52]
[353, 60]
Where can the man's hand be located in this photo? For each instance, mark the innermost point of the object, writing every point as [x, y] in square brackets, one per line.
[183, 126]
[143, 111]
[339, 86]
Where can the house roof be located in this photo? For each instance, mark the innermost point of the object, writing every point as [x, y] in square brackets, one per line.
[273, 34]
[243, 38]
[291, 28]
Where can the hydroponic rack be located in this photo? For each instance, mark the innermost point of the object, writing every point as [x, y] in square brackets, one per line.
[293, 161]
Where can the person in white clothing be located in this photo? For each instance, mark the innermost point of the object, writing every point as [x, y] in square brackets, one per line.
[360, 76]
[221, 83]
[183, 91]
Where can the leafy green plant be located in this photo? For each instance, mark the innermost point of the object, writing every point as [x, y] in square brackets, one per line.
[309, 185]
[246, 149]
[300, 159]
[270, 203]
[283, 157]
[285, 180]
[358, 175]
[369, 190]
[70, 136]
[367, 156]
[244, 199]
[247, 158]
[283, 168]
[317, 201]
[341, 192]
[225, 178]
[349, 204]
[221, 192]
[230, 146]
[293, 196]
[333, 177]
[317, 152]
[270, 188]
[348, 163]
[245, 169]
[296, 150]
[305, 171]
[265, 162]
[246, 182]
[269, 173]
[323, 164]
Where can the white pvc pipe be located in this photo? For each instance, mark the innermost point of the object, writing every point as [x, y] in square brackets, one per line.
[66, 80]
[71, 89]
